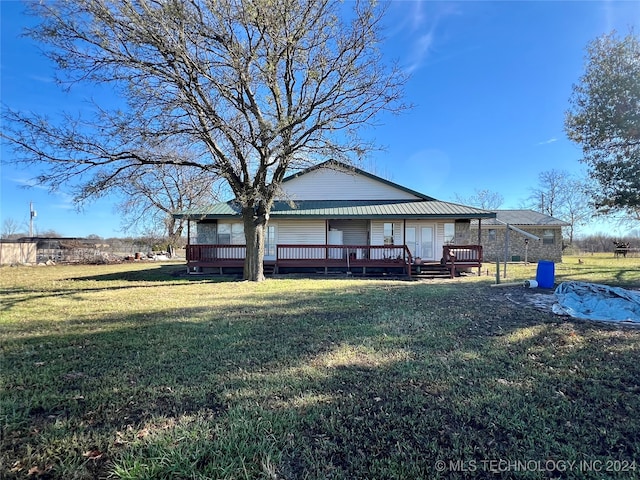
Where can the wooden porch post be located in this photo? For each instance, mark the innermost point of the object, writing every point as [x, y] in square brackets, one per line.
[326, 246]
[479, 242]
[188, 242]
[404, 239]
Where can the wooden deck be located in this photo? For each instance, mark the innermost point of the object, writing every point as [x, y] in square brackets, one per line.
[364, 259]
[462, 257]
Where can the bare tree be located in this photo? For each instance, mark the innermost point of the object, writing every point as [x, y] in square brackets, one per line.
[551, 191]
[253, 89]
[562, 195]
[485, 199]
[154, 192]
[9, 228]
[578, 207]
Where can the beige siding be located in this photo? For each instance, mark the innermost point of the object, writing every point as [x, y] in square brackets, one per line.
[305, 232]
[355, 232]
[377, 232]
[328, 184]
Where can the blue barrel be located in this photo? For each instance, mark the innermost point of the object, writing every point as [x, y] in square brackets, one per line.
[545, 275]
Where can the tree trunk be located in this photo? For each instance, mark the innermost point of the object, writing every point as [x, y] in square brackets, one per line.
[254, 230]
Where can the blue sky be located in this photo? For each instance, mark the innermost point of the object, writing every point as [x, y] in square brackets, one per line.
[490, 82]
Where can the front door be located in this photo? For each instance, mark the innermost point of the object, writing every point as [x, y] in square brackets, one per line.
[426, 243]
[411, 241]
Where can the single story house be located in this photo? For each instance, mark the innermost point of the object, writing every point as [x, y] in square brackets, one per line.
[521, 247]
[335, 217]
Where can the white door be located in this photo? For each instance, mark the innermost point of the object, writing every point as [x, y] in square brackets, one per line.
[411, 241]
[270, 243]
[426, 242]
[335, 237]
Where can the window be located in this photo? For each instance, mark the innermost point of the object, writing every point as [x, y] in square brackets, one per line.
[449, 233]
[270, 242]
[206, 233]
[231, 234]
[224, 233]
[491, 235]
[388, 233]
[548, 237]
[237, 234]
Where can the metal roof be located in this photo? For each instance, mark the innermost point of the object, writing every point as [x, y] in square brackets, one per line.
[525, 217]
[347, 209]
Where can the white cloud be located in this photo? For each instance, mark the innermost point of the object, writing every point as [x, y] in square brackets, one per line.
[28, 183]
[59, 199]
[547, 142]
[420, 51]
[417, 27]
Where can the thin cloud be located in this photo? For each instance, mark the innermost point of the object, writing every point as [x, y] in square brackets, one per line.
[547, 142]
[419, 25]
[28, 183]
[420, 51]
[61, 200]
[41, 79]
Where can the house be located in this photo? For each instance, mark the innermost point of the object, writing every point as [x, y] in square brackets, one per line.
[334, 217]
[524, 227]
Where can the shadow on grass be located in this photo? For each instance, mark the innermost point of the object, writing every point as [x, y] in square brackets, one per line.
[155, 273]
[148, 278]
[373, 381]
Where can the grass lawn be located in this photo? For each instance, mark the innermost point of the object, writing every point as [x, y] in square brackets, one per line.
[129, 372]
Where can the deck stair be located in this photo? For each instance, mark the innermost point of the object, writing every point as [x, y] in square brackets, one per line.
[430, 270]
[269, 269]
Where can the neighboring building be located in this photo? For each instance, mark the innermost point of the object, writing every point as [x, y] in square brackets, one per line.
[336, 217]
[521, 248]
[17, 252]
[65, 249]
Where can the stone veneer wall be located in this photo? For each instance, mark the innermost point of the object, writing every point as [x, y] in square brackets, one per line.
[537, 251]
[463, 233]
[206, 233]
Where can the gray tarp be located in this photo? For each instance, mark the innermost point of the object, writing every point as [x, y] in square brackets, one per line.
[592, 301]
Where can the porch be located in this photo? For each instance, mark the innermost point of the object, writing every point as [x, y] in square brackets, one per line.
[325, 258]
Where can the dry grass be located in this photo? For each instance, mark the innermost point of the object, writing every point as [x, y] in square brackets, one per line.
[130, 372]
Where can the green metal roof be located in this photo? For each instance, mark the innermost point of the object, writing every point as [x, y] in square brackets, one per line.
[346, 209]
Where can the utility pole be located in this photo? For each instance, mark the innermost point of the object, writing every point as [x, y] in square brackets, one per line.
[32, 215]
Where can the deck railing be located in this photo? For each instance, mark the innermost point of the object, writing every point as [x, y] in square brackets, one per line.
[356, 254]
[462, 256]
[321, 255]
[297, 255]
[214, 253]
